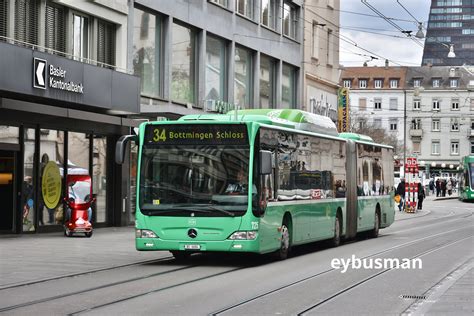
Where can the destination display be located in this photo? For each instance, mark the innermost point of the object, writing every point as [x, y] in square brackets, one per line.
[187, 134]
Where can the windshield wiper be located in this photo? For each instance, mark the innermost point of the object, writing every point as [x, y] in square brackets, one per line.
[221, 210]
[172, 210]
[188, 208]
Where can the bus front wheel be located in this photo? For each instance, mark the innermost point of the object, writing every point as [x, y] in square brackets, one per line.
[285, 238]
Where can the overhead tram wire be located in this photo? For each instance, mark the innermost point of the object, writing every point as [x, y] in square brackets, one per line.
[404, 8]
[358, 13]
[371, 7]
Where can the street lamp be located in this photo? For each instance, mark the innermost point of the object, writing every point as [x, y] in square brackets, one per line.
[451, 53]
[419, 33]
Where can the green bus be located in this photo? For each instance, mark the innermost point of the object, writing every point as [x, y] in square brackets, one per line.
[466, 179]
[258, 181]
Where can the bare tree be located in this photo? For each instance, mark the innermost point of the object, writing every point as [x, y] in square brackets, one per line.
[360, 124]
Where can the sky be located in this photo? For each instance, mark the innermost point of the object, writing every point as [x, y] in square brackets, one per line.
[358, 41]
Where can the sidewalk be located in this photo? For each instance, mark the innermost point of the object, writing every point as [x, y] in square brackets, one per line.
[27, 258]
[453, 295]
[439, 198]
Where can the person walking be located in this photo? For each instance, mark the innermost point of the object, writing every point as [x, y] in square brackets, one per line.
[421, 196]
[401, 191]
[443, 187]
[432, 186]
[449, 187]
[438, 187]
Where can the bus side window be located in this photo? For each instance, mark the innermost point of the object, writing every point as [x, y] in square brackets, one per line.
[268, 181]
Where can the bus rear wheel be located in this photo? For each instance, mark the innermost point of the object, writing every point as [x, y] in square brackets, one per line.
[336, 240]
[374, 233]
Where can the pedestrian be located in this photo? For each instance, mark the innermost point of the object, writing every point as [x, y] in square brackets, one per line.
[449, 187]
[438, 187]
[443, 187]
[432, 186]
[401, 192]
[421, 195]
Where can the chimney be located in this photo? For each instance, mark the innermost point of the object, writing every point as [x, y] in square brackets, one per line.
[386, 63]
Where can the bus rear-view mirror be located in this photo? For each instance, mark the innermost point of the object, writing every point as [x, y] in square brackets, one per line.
[121, 147]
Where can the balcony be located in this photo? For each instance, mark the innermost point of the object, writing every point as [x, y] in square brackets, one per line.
[416, 133]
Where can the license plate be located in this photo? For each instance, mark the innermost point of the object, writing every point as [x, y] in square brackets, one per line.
[192, 247]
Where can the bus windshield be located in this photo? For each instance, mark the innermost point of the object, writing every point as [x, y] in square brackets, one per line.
[207, 180]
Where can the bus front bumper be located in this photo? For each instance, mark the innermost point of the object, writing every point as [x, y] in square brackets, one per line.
[153, 244]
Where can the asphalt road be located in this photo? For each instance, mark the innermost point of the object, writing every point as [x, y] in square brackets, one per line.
[305, 284]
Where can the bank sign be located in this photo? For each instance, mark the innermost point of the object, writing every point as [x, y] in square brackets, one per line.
[54, 77]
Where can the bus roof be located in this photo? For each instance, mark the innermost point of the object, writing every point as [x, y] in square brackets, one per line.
[289, 118]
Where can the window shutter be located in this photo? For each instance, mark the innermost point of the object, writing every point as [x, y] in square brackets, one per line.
[26, 21]
[106, 43]
[55, 28]
[3, 19]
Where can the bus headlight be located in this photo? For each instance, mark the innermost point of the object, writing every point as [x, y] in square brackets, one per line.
[243, 235]
[145, 233]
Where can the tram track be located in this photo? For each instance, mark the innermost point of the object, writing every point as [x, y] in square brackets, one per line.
[119, 283]
[331, 297]
[72, 275]
[230, 308]
[87, 290]
[373, 276]
[155, 291]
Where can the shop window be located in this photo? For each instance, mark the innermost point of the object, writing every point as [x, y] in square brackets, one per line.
[242, 77]
[183, 66]
[267, 82]
[28, 188]
[215, 68]
[50, 206]
[147, 45]
[288, 87]
[99, 178]
[9, 134]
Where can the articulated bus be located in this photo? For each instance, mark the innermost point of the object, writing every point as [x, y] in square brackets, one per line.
[466, 181]
[258, 181]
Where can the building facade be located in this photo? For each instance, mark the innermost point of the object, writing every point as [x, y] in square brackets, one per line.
[65, 96]
[321, 57]
[429, 109]
[440, 108]
[377, 98]
[197, 56]
[451, 22]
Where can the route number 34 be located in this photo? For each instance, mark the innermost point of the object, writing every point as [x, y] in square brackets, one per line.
[159, 135]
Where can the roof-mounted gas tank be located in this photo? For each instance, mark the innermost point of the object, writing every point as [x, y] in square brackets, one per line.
[297, 119]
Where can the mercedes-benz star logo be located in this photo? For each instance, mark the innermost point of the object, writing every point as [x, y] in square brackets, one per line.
[192, 233]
